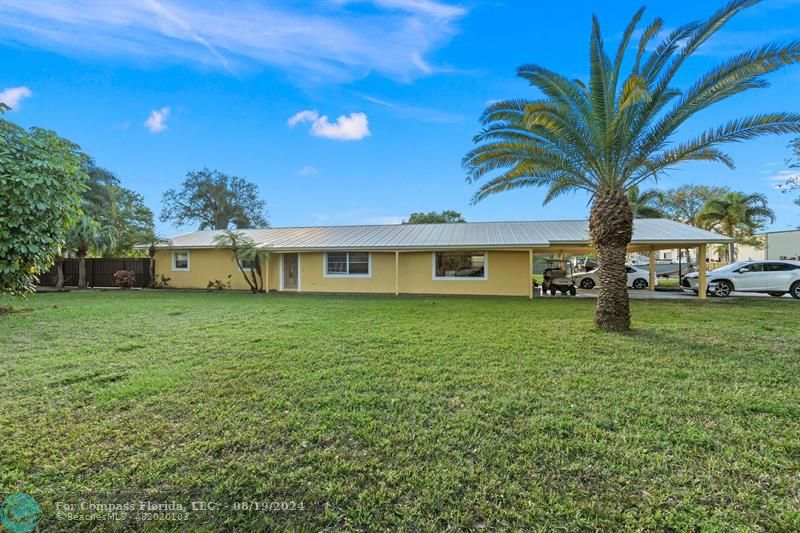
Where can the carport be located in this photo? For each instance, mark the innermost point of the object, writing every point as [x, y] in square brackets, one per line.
[649, 235]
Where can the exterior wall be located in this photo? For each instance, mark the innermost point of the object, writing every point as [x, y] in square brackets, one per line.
[783, 245]
[749, 253]
[507, 274]
[313, 279]
[204, 265]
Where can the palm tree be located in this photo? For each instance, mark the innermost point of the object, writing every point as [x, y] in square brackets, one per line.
[88, 234]
[645, 204]
[153, 242]
[737, 215]
[613, 132]
[245, 250]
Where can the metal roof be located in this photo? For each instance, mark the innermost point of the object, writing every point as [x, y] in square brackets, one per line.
[464, 235]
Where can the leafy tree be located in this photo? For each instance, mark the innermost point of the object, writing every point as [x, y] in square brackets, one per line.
[617, 130]
[215, 201]
[122, 209]
[245, 251]
[444, 217]
[792, 183]
[737, 215]
[685, 203]
[41, 178]
[645, 204]
[87, 234]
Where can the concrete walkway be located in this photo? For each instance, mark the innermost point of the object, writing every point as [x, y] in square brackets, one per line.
[672, 295]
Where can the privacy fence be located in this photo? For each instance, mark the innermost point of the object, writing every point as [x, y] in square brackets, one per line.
[99, 272]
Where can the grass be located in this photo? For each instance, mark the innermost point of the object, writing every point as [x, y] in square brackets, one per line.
[423, 413]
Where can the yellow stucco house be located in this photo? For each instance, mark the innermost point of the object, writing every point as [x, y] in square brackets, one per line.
[481, 258]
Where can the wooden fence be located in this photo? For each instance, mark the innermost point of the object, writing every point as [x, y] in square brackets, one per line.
[99, 272]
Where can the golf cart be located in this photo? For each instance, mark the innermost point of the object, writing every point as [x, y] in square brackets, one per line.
[558, 277]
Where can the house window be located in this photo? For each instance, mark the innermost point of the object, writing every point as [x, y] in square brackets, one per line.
[180, 261]
[348, 264]
[470, 265]
[248, 263]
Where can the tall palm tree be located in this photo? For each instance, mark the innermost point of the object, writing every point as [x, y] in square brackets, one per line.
[615, 132]
[737, 215]
[645, 204]
[88, 234]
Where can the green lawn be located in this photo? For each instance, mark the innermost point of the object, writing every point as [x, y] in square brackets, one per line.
[383, 412]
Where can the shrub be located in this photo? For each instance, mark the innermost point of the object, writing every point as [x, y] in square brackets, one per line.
[124, 279]
[218, 284]
[161, 283]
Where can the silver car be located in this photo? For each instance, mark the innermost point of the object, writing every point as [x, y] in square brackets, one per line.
[775, 278]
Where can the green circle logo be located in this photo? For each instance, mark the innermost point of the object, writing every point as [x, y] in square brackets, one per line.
[20, 513]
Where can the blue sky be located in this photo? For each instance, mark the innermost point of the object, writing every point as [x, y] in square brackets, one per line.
[392, 90]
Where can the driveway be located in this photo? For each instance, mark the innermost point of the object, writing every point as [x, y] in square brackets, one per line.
[673, 295]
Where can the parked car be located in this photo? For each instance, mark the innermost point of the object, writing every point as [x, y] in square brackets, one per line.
[775, 278]
[637, 278]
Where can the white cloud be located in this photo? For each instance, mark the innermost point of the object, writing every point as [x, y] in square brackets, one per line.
[12, 96]
[423, 114]
[352, 127]
[315, 42]
[780, 176]
[157, 121]
[308, 170]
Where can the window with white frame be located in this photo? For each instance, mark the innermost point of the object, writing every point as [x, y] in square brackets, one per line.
[347, 264]
[248, 263]
[180, 261]
[459, 265]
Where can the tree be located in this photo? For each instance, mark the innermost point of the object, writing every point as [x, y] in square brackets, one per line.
[41, 178]
[122, 209]
[792, 183]
[87, 234]
[645, 204]
[247, 254]
[153, 242]
[737, 215]
[614, 132]
[444, 217]
[215, 201]
[685, 203]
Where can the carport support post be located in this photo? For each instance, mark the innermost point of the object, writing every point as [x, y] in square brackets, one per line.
[396, 273]
[651, 284]
[530, 274]
[701, 272]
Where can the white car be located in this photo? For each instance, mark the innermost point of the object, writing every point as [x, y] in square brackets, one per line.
[637, 278]
[775, 278]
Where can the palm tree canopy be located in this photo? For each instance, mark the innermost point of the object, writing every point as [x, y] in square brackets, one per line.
[646, 204]
[736, 214]
[88, 234]
[614, 132]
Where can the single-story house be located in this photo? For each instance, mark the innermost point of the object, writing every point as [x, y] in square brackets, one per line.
[481, 258]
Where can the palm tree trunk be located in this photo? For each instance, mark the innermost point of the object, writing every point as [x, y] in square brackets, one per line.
[611, 229]
[81, 271]
[59, 273]
[152, 252]
[731, 252]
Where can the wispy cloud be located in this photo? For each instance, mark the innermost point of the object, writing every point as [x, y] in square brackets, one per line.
[308, 170]
[335, 41]
[12, 96]
[352, 127]
[157, 121]
[780, 176]
[423, 114]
